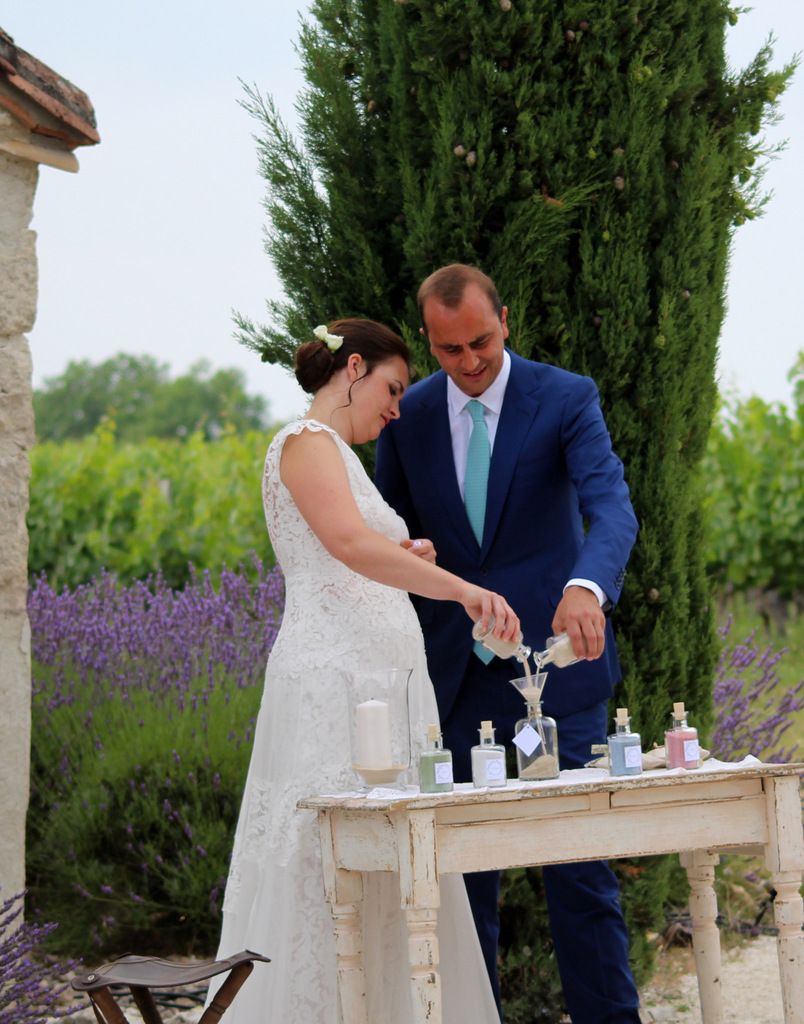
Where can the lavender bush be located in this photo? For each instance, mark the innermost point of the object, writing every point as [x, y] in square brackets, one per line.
[144, 700]
[30, 990]
[753, 710]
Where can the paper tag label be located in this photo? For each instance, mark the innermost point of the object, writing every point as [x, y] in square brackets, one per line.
[443, 772]
[527, 739]
[633, 757]
[495, 768]
[692, 750]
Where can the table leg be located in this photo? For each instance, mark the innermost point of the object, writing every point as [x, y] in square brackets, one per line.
[700, 867]
[425, 983]
[418, 883]
[784, 857]
[344, 893]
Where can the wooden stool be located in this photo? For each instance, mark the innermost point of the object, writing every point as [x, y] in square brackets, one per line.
[142, 973]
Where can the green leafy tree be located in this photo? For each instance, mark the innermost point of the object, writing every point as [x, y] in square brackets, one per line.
[138, 393]
[72, 404]
[594, 160]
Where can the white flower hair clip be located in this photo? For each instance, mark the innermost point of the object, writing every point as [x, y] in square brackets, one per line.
[332, 341]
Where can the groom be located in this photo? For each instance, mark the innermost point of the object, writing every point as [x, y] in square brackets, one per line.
[507, 466]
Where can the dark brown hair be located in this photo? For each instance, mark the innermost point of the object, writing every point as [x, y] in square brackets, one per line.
[448, 285]
[376, 343]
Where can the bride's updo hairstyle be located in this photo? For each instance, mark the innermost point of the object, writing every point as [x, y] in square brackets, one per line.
[315, 361]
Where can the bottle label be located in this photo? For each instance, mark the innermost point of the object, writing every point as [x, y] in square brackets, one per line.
[495, 768]
[633, 757]
[443, 772]
[692, 751]
[527, 739]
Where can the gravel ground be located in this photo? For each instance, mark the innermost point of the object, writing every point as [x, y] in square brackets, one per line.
[749, 979]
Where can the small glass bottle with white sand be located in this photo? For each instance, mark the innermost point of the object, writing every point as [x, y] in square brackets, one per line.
[488, 759]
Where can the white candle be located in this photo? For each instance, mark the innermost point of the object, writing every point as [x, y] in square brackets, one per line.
[373, 735]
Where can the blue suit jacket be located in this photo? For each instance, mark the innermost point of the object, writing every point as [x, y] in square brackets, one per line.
[557, 508]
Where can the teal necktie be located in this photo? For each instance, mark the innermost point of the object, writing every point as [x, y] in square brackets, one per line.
[475, 486]
[477, 469]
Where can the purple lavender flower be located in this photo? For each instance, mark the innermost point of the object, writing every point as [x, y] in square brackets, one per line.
[753, 711]
[130, 681]
[29, 988]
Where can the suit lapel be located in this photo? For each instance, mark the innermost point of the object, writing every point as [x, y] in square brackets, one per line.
[519, 408]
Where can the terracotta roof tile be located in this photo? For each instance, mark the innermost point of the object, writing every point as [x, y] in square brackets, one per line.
[44, 101]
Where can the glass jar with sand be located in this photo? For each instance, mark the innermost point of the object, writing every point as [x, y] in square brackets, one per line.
[535, 735]
[558, 652]
[502, 648]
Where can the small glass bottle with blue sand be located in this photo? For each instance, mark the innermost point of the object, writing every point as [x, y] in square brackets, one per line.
[625, 747]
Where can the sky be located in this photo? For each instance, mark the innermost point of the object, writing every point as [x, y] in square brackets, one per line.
[159, 237]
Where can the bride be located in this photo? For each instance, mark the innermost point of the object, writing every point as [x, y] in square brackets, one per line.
[348, 565]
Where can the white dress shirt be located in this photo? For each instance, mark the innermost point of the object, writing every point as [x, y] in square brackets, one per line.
[460, 419]
[460, 427]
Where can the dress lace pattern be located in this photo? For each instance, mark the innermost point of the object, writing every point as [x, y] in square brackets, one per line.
[335, 622]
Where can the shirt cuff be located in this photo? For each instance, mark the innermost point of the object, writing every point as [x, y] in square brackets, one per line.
[589, 585]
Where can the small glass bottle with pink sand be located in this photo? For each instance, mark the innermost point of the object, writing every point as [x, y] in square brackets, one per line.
[681, 742]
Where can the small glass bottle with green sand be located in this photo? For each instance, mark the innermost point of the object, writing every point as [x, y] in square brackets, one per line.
[435, 764]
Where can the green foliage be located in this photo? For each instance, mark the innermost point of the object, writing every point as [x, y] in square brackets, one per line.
[754, 468]
[138, 394]
[137, 508]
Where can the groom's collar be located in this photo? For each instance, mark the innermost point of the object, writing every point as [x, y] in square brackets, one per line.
[492, 397]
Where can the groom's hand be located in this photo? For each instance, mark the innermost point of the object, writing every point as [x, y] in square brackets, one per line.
[423, 548]
[579, 614]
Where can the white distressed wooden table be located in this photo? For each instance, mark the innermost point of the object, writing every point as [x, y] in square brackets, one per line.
[583, 815]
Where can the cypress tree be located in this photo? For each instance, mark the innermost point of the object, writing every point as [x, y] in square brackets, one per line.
[594, 159]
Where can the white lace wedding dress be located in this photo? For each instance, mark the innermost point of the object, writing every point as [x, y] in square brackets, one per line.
[334, 621]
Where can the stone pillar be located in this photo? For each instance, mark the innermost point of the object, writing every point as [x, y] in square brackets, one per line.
[18, 276]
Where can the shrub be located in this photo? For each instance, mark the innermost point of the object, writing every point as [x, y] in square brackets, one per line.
[136, 509]
[143, 705]
[753, 467]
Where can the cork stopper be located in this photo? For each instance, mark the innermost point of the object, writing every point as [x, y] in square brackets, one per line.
[678, 710]
[622, 716]
[486, 728]
[433, 733]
